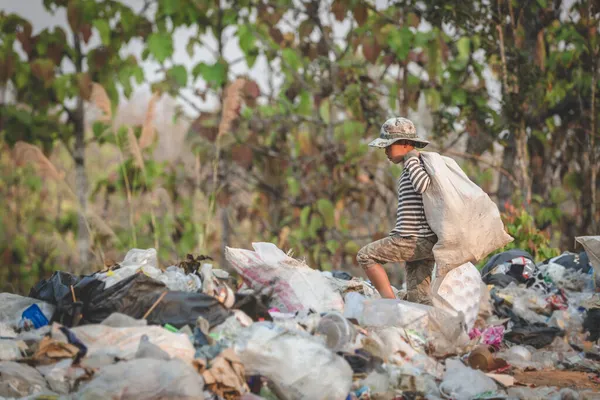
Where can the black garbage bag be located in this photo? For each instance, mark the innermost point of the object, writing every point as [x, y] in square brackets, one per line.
[516, 269]
[501, 280]
[591, 324]
[135, 295]
[255, 305]
[536, 335]
[132, 296]
[572, 261]
[57, 291]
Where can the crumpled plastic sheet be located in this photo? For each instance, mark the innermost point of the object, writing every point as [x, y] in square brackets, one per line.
[462, 382]
[19, 380]
[316, 373]
[13, 306]
[123, 343]
[296, 286]
[144, 378]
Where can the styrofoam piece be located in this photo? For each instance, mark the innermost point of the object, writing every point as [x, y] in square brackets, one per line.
[461, 289]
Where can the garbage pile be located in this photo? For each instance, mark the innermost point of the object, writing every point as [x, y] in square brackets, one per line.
[517, 330]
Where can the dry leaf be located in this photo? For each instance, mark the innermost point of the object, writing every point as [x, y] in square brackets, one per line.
[100, 99]
[147, 137]
[360, 13]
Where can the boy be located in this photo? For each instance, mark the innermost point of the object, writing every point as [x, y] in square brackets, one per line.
[412, 239]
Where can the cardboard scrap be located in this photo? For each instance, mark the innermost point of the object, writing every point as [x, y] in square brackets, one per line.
[225, 376]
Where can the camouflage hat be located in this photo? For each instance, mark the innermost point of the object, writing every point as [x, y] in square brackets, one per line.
[395, 129]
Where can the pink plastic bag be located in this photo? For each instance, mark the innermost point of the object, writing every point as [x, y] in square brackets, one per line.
[296, 286]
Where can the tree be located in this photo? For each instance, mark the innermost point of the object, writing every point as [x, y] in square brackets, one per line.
[49, 77]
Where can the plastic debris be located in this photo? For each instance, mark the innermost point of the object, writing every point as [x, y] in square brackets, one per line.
[266, 349]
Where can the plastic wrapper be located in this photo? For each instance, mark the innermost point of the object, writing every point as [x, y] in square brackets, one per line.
[144, 379]
[316, 373]
[14, 305]
[19, 380]
[11, 349]
[123, 343]
[461, 382]
[175, 278]
[296, 286]
[61, 376]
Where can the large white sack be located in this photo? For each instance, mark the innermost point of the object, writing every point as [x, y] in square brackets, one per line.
[464, 218]
[296, 286]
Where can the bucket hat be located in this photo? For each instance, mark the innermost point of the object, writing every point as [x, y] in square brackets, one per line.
[395, 129]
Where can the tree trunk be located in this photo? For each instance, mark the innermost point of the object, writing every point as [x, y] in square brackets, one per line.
[505, 187]
[81, 184]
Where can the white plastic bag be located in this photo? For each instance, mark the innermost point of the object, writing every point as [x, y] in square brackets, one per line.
[464, 218]
[461, 289]
[300, 366]
[19, 380]
[461, 382]
[123, 343]
[135, 259]
[144, 378]
[13, 306]
[296, 286]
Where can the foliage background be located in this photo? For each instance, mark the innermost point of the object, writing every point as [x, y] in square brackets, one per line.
[263, 137]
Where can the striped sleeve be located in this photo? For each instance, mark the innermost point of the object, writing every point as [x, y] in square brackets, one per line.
[418, 176]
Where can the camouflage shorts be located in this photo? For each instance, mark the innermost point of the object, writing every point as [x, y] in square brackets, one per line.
[416, 252]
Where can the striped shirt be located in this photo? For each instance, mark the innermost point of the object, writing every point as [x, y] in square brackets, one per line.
[410, 219]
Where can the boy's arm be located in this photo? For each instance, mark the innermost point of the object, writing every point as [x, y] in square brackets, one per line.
[416, 171]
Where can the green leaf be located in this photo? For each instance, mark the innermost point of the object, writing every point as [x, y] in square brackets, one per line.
[433, 98]
[160, 46]
[459, 97]
[304, 214]
[104, 30]
[400, 42]
[332, 246]
[316, 223]
[324, 111]
[170, 7]
[542, 3]
[291, 58]
[215, 74]
[293, 185]
[305, 103]
[178, 74]
[464, 49]
[327, 210]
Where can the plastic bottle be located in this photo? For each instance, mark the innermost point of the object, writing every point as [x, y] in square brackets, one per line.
[339, 332]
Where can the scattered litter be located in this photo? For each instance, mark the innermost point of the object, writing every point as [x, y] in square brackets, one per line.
[134, 330]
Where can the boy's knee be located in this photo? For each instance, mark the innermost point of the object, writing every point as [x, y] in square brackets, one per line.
[364, 259]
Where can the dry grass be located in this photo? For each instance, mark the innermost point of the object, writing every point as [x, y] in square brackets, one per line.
[231, 105]
[27, 153]
[100, 99]
[148, 132]
[134, 149]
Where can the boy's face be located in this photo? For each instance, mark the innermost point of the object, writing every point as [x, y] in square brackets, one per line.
[396, 151]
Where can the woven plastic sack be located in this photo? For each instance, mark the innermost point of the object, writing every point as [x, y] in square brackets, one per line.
[464, 218]
[296, 286]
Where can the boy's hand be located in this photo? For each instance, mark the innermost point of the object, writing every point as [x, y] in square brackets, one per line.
[412, 153]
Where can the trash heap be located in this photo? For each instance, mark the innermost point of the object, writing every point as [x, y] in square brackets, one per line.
[136, 331]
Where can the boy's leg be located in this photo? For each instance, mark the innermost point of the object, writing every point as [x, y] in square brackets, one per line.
[374, 255]
[419, 271]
